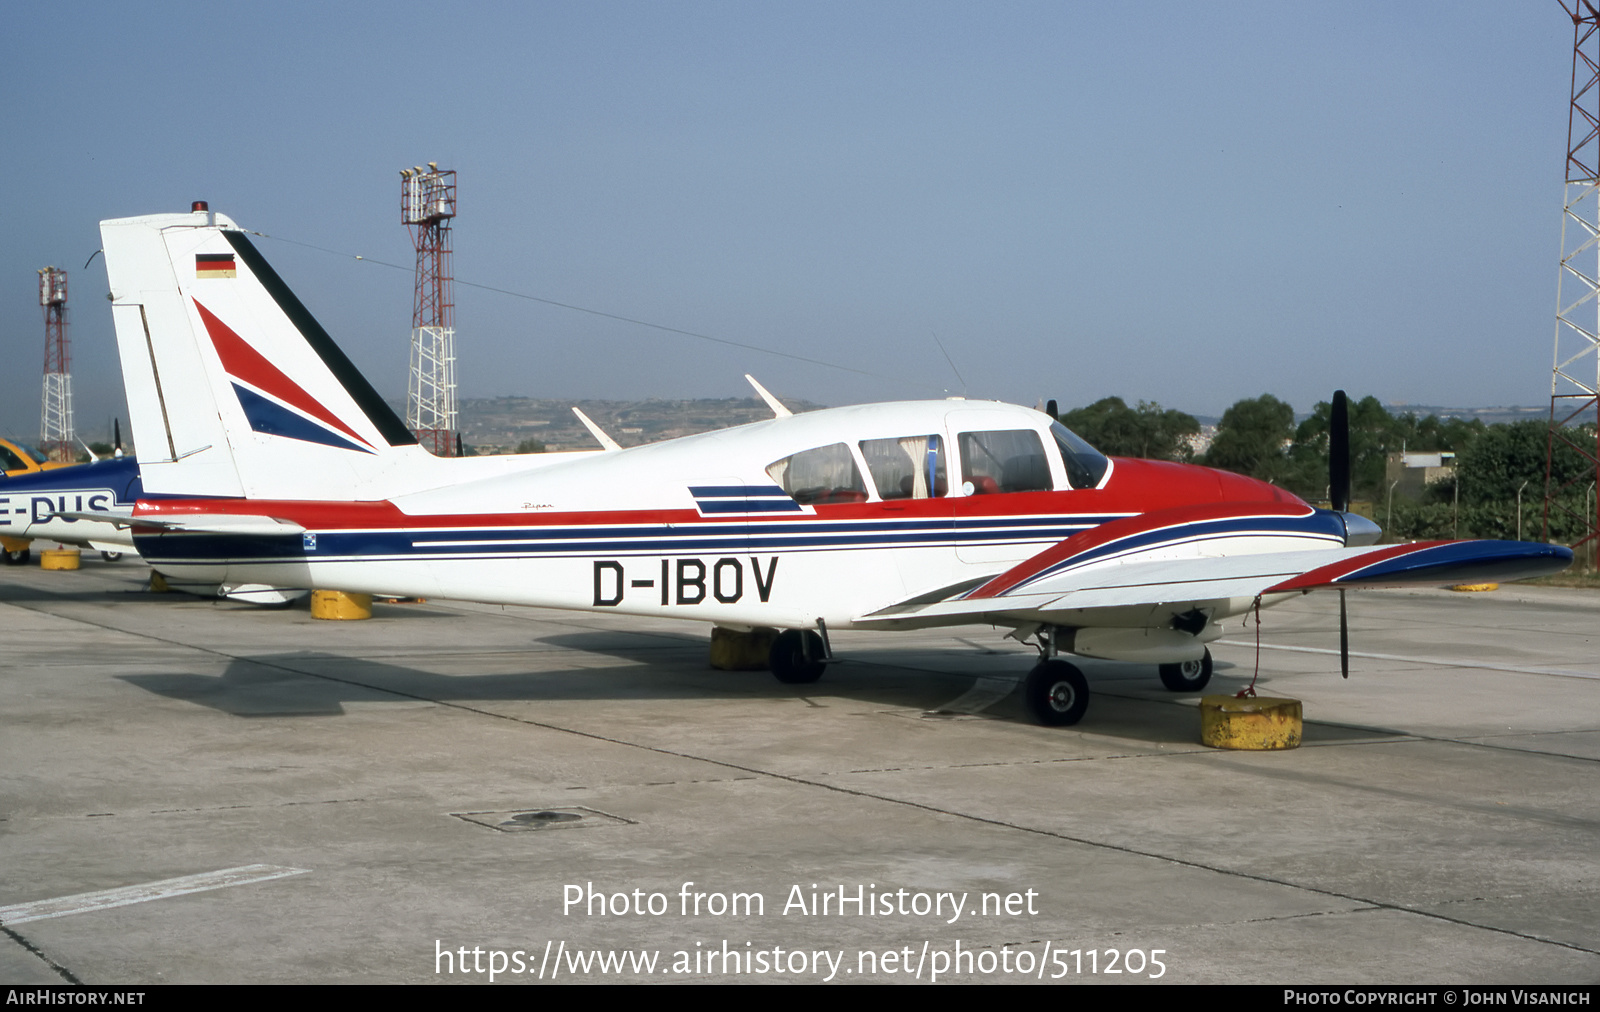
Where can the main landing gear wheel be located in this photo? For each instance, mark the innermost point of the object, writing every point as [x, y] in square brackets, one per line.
[19, 557]
[797, 657]
[1189, 676]
[111, 556]
[1056, 693]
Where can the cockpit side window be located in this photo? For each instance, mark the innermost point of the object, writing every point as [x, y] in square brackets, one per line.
[1085, 465]
[1006, 460]
[10, 461]
[827, 474]
[906, 467]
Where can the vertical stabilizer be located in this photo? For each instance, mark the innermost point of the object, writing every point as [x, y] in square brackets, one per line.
[233, 387]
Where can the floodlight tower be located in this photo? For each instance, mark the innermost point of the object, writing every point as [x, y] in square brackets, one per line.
[427, 203]
[55, 419]
[1575, 380]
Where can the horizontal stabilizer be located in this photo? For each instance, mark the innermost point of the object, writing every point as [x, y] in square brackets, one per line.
[213, 523]
[118, 520]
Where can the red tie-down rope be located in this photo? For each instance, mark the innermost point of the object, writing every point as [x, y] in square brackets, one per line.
[1250, 690]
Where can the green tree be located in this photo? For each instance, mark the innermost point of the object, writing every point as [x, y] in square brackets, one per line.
[1146, 431]
[1375, 433]
[1372, 431]
[1504, 456]
[530, 446]
[1251, 439]
[1431, 434]
[1497, 462]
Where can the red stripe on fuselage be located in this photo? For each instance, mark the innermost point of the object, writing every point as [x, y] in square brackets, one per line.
[335, 516]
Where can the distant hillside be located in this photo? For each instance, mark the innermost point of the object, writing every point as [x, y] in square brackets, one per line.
[1489, 416]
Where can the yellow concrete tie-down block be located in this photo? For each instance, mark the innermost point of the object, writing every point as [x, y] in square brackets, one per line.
[60, 558]
[1255, 723]
[337, 605]
[733, 650]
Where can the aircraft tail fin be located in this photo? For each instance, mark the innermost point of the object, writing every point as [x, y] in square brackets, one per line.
[233, 388]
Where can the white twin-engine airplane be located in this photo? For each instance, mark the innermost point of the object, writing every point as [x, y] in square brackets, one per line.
[268, 460]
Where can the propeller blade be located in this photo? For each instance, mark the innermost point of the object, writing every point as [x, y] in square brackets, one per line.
[1339, 452]
[1344, 638]
[116, 433]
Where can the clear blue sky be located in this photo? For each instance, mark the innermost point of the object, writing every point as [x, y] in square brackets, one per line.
[1179, 202]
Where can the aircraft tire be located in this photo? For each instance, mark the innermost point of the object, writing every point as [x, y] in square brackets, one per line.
[19, 558]
[796, 657]
[1188, 676]
[111, 556]
[1057, 693]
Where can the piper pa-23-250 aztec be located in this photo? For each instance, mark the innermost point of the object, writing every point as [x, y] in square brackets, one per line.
[267, 459]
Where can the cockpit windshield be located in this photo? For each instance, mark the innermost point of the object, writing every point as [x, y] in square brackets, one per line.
[1086, 466]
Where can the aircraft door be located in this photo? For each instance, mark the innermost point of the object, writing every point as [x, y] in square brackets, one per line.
[1003, 488]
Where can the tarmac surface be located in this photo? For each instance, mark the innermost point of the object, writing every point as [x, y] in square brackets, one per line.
[340, 801]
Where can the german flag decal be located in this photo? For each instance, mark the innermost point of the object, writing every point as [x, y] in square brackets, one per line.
[214, 265]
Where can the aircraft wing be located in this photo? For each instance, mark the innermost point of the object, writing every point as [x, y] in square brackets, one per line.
[1150, 569]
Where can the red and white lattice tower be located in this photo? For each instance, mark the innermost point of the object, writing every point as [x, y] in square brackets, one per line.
[55, 420]
[1575, 380]
[427, 203]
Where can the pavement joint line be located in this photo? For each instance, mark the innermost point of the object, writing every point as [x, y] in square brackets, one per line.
[905, 802]
[106, 899]
[1441, 661]
[276, 804]
[61, 971]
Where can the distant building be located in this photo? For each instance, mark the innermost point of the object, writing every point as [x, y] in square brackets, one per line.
[1411, 473]
[1200, 442]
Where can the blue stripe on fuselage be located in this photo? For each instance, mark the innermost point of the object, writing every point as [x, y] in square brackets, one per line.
[588, 541]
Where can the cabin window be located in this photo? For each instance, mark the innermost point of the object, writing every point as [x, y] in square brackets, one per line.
[1085, 465]
[1008, 460]
[827, 474]
[907, 467]
[10, 461]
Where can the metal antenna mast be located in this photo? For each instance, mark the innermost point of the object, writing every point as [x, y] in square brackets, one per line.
[55, 419]
[427, 203]
[1575, 380]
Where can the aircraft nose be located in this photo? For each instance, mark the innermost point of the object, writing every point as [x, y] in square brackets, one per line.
[1359, 531]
